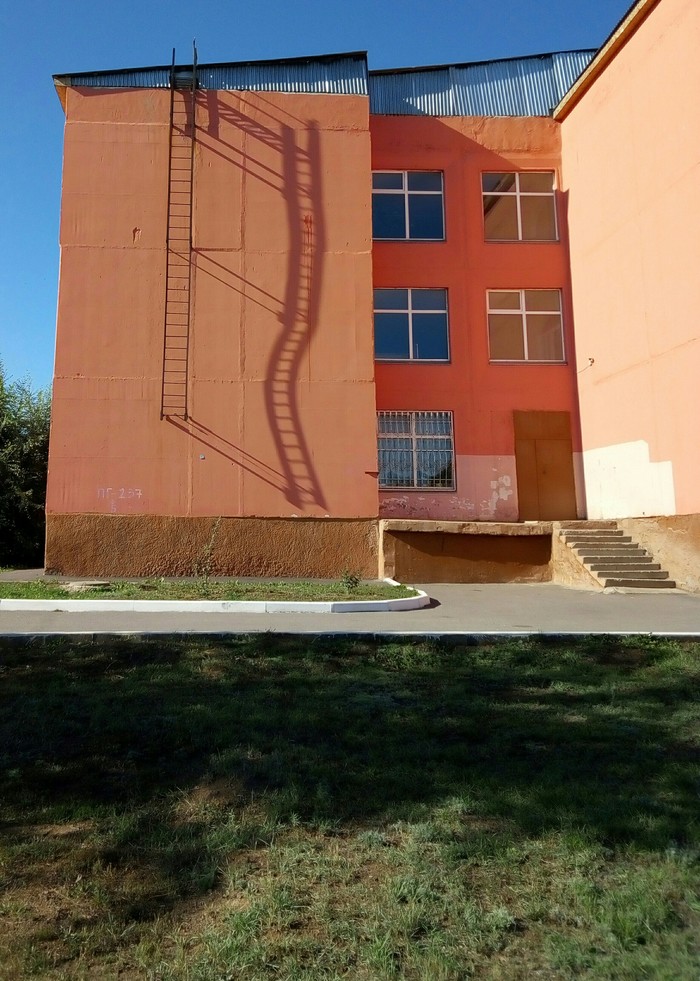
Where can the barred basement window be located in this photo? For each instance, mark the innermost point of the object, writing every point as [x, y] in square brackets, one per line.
[410, 325]
[407, 204]
[415, 449]
[519, 207]
[525, 325]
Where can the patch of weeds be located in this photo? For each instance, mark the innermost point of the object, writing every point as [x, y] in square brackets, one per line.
[350, 581]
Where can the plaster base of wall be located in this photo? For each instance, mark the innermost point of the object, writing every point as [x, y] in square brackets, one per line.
[417, 556]
[153, 545]
[674, 541]
[567, 570]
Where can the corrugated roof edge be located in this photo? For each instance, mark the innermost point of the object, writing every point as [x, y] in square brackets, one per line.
[472, 64]
[299, 60]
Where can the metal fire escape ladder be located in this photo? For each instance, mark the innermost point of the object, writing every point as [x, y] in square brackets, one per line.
[178, 271]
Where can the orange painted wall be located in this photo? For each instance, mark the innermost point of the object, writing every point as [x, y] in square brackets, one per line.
[282, 240]
[631, 167]
[482, 396]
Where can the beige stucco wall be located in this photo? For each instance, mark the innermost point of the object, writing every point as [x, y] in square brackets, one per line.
[631, 174]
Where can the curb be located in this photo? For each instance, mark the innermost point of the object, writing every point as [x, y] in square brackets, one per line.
[471, 639]
[416, 602]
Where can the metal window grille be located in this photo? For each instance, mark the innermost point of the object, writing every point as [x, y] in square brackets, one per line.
[416, 449]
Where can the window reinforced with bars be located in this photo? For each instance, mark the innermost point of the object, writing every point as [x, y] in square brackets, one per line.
[416, 450]
[519, 207]
[411, 325]
[407, 205]
[525, 325]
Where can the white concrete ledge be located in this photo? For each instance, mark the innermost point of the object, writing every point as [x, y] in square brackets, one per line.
[421, 599]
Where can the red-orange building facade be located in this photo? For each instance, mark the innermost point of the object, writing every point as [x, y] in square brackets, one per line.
[299, 298]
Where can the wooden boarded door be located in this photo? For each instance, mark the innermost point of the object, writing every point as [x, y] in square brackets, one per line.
[544, 465]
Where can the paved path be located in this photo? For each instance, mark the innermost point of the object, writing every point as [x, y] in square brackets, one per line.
[471, 609]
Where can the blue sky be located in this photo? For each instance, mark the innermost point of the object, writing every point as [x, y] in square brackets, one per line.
[44, 37]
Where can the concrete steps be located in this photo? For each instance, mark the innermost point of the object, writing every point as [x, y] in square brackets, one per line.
[612, 557]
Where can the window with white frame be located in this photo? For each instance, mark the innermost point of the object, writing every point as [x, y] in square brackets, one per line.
[525, 325]
[519, 207]
[410, 325]
[416, 450]
[408, 205]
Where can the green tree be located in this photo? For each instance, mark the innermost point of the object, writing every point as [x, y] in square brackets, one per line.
[24, 446]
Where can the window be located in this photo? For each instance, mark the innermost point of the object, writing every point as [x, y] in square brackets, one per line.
[410, 325]
[415, 449]
[525, 325]
[407, 205]
[519, 207]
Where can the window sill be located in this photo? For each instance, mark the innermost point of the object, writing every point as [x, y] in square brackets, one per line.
[421, 490]
[409, 240]
[556, 364]
[412, 361]
[522, 241]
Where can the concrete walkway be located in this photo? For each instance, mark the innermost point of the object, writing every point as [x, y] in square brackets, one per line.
[467, 609]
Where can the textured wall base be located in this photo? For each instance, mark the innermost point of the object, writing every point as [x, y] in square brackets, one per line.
[436, 557]
[567, 570]
[674, 541]
[151, 545]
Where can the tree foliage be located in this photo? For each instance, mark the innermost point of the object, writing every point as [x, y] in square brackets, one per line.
[24, 447]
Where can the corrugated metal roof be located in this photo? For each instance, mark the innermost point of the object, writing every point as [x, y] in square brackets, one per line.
[342, 77]
[530, 86]
[129, 78]
[344, 74]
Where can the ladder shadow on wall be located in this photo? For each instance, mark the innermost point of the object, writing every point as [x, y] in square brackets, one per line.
[298, 180]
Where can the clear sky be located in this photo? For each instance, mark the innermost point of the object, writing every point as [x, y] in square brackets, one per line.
[46, 37]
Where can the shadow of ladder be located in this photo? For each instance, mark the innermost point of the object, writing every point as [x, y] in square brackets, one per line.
[178, 274]
[296, 463]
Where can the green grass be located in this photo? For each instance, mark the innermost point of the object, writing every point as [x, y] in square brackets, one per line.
[206, 589]
[275, 807]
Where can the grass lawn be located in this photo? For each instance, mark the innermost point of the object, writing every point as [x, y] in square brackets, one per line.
[284, 808]
[207, 589]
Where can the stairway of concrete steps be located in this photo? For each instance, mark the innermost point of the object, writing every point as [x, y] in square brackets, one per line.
[612, 557]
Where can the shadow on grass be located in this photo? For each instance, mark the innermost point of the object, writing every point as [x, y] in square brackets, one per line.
[596, 735]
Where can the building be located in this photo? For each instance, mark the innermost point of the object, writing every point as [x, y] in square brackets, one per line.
[305, 309]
